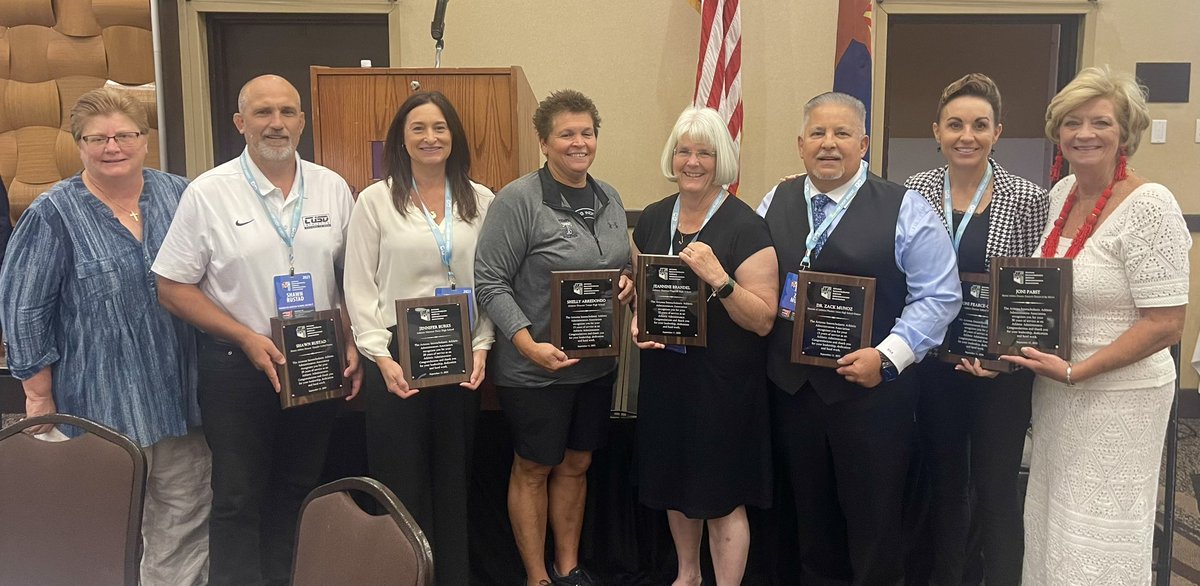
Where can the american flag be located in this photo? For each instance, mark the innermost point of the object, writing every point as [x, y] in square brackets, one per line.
[719, 69]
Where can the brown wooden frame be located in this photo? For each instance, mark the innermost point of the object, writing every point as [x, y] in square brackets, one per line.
[402, 339]
[803, 279]
[557, 278]
[701, 337]
[286, 399]
[1066, 279]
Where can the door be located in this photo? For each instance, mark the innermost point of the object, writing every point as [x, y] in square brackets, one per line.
[242, 46]
[1030, 57]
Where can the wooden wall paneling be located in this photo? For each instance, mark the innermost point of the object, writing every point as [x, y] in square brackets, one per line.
[5, 124]
[34, 12]
[36, 160]
[69, 90]
[31, 104]
[75, 56]
[128, 61]
[66, 155]
[8, 156]
[5, 51]
[75, 18]
[27, 53]
[21, 194]
[122, 12]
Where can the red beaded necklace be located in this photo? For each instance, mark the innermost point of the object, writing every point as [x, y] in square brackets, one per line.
[1050, 247]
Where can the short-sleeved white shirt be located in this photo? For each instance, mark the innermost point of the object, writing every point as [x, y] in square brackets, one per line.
[223, 241]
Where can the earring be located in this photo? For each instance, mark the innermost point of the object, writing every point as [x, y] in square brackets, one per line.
[1056, 168]
[1122, 161]
[939, 148]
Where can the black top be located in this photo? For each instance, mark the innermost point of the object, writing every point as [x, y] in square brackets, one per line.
[972, 251]
[703, 419]
[580, 199]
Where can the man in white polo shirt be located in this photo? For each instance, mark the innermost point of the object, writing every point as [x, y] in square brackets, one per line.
[263, 215]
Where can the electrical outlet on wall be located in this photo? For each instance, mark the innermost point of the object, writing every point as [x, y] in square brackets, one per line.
[1158, 131]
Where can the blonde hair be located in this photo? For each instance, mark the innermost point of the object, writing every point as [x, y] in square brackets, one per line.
[1127, 95]
[703, 125]
[105, 101]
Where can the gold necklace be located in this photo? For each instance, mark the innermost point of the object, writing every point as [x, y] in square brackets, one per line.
[132, 213]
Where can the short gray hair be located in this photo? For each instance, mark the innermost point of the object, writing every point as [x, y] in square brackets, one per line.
[703, 125]
[836, 99]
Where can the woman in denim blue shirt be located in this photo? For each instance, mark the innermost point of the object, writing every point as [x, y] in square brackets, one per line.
[87, 336]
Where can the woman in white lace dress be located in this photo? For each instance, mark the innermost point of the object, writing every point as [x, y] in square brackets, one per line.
[1099, 420]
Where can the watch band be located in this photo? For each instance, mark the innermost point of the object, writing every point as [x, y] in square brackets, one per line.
[887, 369]
[725, 290]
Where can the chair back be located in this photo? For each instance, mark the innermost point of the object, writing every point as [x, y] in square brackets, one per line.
[71, 510]
[339, 543]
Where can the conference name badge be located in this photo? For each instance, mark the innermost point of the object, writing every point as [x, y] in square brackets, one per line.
[787, 300]
[470, 293]
[294, 296]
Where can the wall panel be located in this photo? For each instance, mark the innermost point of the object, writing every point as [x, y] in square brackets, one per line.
[51, 52]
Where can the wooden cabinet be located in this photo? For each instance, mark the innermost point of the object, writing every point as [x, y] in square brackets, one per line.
[353, 106]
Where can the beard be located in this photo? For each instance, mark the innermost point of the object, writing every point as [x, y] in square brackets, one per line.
[270, 153]
[831, 175]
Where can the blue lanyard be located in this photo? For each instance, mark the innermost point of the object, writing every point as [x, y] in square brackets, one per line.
[815, 234]
[445, 242]
[948, 207]
[712, 209]
[287, 236]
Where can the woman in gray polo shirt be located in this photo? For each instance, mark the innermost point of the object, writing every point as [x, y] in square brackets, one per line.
[557, 218]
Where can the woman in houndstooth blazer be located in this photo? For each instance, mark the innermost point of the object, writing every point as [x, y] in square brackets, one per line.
[972, 422]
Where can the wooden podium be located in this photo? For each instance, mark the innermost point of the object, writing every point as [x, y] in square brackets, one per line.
[354, 106]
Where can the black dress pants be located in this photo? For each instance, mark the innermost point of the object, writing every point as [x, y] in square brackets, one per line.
[972, 431]
[847, 463]
[265, 460]
[420, 448]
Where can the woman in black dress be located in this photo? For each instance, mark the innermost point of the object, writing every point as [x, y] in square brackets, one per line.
[703, 424]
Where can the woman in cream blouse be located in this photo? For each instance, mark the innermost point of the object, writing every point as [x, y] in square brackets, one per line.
[411, 235]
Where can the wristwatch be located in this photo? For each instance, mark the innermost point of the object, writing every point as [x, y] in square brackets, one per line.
[725, 290]
[887, 369]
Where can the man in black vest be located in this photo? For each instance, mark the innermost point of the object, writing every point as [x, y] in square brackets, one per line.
[844, 435]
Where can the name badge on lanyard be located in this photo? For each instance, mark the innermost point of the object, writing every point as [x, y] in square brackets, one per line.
[294, 296]
[787, 297]
[470, 291]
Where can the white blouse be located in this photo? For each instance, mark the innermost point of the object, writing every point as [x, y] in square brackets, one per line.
[1138, 257]
[390, 256]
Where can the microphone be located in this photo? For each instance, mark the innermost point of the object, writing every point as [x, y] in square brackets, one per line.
[438, 26]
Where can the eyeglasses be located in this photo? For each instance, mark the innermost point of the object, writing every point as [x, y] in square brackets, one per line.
[123, 139]
[686, 154]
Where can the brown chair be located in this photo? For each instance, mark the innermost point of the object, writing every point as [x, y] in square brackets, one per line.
[339, 543]
[71, 510]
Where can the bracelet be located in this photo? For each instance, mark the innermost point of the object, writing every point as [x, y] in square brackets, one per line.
[1069, 383]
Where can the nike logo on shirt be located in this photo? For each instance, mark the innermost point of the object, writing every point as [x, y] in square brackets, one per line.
[238, 223]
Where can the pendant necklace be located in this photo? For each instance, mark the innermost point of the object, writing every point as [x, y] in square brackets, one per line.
[132, 213]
